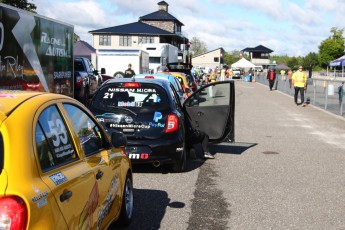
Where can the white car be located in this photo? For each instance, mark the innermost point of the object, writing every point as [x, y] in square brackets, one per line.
[237, 73]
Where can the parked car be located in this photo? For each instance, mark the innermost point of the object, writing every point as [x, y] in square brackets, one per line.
[237, 73]
[86, 79]
[192, 82]
[173, 81]
[148, 112]
[183, 81]
[59, 169]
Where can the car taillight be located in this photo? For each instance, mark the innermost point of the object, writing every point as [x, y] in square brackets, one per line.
[172, 123]
[131, 85]
[13, 213]
[79, 81]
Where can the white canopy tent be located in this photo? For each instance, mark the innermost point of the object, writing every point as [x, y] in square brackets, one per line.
[242, 63]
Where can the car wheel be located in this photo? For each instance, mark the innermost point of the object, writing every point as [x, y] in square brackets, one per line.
[119, 74]
[126, 211]
[180, 166]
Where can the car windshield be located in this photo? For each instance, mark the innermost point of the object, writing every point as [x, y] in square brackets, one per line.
[136, 97]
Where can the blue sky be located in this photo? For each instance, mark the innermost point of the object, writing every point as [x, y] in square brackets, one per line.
[293, 28]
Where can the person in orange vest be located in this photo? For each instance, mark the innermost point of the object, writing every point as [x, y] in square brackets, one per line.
[299, 82]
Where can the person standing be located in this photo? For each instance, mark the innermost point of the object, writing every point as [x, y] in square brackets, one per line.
[250, 73]
[271, 76]
[282, 73]
[289, 74]
[299, 82]
[213, 76]
[129, 72]
[222, 73]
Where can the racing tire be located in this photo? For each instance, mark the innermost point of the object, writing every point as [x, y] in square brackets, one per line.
[180, 166]
[127, 208]
[119, 74]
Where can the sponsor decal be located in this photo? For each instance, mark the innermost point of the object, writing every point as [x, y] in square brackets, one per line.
[128, 119]
[179, 149]
[58, 178]
[5, 95]
[156, 125]
[109, 117]
[130, 104]
[138, 156]
[39, 196]
[157, 116]
[106, 206]
[128, 130]
[133, 90]
[129, 126]
[85, 218]
[42, 202]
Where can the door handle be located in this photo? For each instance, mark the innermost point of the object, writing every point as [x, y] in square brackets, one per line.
[99, 175]
[65, 196]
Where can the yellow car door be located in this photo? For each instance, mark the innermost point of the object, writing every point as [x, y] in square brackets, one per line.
[102, 161]
[64, 171]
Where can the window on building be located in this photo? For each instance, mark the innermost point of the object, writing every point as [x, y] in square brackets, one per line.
[146, 39]
[216, 59]
[104, 40]
[125, 41]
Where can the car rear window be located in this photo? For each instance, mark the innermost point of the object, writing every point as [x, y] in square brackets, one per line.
[136, 96]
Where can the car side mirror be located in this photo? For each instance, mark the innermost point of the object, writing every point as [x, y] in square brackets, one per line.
[118, 139]
[195, 101]
[95, 72]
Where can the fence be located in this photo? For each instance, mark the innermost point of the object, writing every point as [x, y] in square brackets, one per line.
[323, 92]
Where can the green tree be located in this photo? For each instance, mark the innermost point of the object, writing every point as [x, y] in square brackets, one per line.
[293, 62]
[281, 59]
[311, 60]
[198, 47]
[331, 48]
[21, 4]
[231, 57]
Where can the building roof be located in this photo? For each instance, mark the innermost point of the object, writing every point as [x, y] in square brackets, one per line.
[160, 15]
[82, 49]
[163, 3]
[259, 49]
[133, 28]
[220, 48]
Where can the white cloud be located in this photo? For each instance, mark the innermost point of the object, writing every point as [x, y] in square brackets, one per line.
[293, 27]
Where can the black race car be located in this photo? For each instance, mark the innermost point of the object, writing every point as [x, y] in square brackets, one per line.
[149, 113]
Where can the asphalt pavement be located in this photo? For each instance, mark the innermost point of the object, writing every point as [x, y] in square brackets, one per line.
[285, 170]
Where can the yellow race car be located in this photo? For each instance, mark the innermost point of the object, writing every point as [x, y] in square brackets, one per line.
[59, 169]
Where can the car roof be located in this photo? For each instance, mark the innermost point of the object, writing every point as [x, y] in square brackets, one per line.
[11, 99]
[162, 82]
[165, 76]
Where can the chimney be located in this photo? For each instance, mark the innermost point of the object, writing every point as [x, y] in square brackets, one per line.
[163, 6]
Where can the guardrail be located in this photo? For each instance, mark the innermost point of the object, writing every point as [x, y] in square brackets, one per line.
[323, 92]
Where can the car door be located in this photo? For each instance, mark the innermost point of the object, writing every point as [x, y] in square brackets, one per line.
[102, 160]
[64, 170]
[211, 109]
